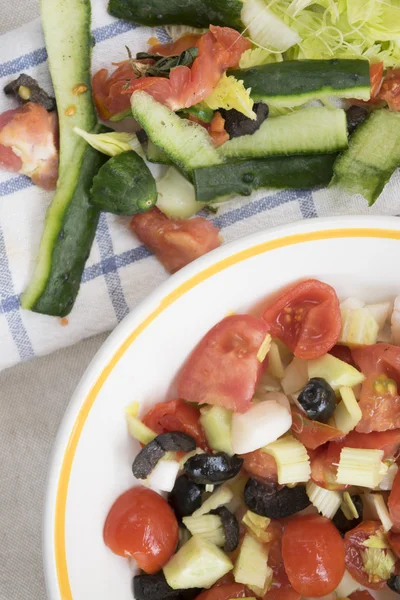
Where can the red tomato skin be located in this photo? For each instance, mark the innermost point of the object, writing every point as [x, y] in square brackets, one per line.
[261, 465]
[353, 543]
[323, 462]
[390, 89]
[176, 415]
[344, 354]
[141, 524]
[313, 555]
[388, 441]
[223, 369]
[225, 591]
[377, 359]
[394, 501]
[282, 592]
[361, 595]
[183, 43]
[379, 404]
[394, 541]
[176, 243]
[306, 317]
[312, 433]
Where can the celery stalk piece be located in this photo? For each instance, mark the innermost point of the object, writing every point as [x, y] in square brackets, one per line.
[251, 565]
[362, 467]
[358, 327]
[327, 502]
[347, 413]
[291, 458]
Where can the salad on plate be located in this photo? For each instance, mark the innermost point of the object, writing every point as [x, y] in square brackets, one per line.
[246, 95]
[273, 472]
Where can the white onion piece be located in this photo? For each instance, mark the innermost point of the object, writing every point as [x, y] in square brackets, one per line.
[380, 312]
[163, 475]
[262, 424]
[352, 303]
[387, 481]
[395, 321]
[296, 376]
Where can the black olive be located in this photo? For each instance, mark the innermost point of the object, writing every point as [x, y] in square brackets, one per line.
[342, 523]
[212, 468]
[185, 498]
[355, 115]
[152, 587]
[148, 457]
[318, 400]
[237, 124]
[266, 500]
[394, 583]
[231, 528]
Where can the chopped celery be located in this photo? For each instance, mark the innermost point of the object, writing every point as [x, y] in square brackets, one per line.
[223, 495]
[275, 365]
[327, 502]
[347, 586]
[251, 564]
[296, 376]
[388, 478]
[257, 525]
[336, 372]
[347, 413]
[379, 540]
[382, 512]
[217, 423]
[348, 500]
[264, 348]
[362, 467]
[111, 143]
[208, 527]
[210, 487]
[291, 458]
[378, 563]
[358, 327]
[198, 563]
[230, 93]
[260, 592]
[138, 430]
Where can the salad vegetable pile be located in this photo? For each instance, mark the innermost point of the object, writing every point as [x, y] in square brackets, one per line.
[277, 459]
[246, 95]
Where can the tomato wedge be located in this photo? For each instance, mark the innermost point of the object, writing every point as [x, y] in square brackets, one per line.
[390, 89]
[313, 555]
[176, 243]
[388, 441]
[312, 433]
[394, 501]
[361, 595]
[260, 464]
[323, 462]
[176, 415]
[378, 359]
[379, 403]
[306, 317]
[354, 548]
[223, 369]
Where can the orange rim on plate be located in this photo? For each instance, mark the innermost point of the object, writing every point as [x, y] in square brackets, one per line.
[68, 458]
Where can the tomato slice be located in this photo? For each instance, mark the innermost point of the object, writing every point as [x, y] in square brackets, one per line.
[313, 555]
[223, 369]
[225, 592]
[176, 415]
[378, 359]
[361, 595]
[281, 592]
[388, 441]
[394, 541]
[306, 317]
[176, 243]
[354, 547]
[376, 76]
[323, 462]
[312, 433]
[141, 524]
[379, 403]
[260, 464]
[394, 501]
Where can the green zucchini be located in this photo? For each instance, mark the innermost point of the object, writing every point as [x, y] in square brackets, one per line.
[312, 130]
[281, 172]
[372, 157]
[70, 222]
[124, 186]
[294, 82]
[195, 13]
[154, 154]
[200, 111]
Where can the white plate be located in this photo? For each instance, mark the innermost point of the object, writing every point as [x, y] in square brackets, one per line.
[92, 458]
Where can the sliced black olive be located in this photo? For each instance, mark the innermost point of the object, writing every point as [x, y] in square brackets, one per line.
[318, 400]
[231, 528]
[342, 523]
[148, 457]
[212, 468]
[355, 115]
[394, 583]
[266, 500]
[190, 594]
[153, 587]
[185, 497]
[27, 89]
[237, 124]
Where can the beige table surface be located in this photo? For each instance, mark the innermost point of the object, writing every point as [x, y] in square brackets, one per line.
[33, 397]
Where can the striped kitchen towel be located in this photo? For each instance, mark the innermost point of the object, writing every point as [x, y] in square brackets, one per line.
[120, 272]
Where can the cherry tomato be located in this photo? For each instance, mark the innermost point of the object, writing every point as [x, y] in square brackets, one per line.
[281, 592]
[361, 595]
[141, 524]
[225, 591]
[306, 317]
[261, 464]
[312, 433]
[354, 547]
[388, 441]
[313, 555]
[176, 415]
[394, 501]
[376, 76]
[344, 354]
[390, 89]
[379, 403]
[377, 359]
[217, 130]
[175, 242]
[394, 541]
[223, 369]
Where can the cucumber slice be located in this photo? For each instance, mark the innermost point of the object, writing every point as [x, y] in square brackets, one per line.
[311, 130]
[186, 143]
[336, 372]
[195, 13]
[372, 157]
[282, 172]
[124, 186]
[70, 222]
[217, 424]
[292, 83]
[251, 566]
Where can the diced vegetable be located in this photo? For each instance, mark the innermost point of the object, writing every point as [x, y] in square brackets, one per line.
[265, 28]
[263, 423]
[296, 376]
[251, 565]
[164, 475]
[358, 327]
[113, 142]
[348, 501]
[176, 197]
[209, 527]
[264, 348]
[382, 512]
[347, 586]
[222, 496]
[275, 364]
[362, 467]
[347, 413]
[336, 372]
[198, 563]
[388, 478]
[217, 423]
[257, 525]
[378, 563]
[138, 430]
[230, 93]
[291, 458]
[327, 502]
[380, 312]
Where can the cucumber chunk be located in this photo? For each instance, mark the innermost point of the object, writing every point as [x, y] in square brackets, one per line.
[217, 424]
[336, 372]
